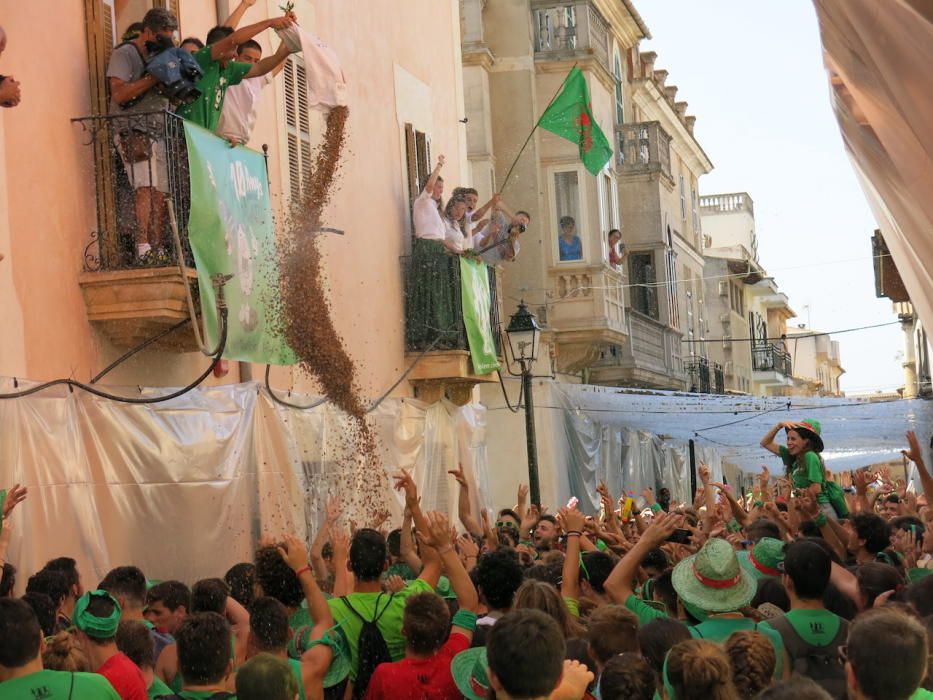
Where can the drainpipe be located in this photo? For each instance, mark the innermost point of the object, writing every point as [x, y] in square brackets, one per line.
[222, 9]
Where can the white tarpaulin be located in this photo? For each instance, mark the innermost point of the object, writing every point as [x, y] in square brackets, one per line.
[184, 488]
[633, 438]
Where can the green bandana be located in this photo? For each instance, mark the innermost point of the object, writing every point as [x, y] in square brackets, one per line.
[92, 626]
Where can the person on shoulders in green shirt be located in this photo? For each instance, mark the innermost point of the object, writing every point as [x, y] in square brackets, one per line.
[801, 458]
[886, 657]
[809, 628]
[221, 70]
[21, 672]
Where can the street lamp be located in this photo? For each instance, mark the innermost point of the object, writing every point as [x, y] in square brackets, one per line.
[524, 335]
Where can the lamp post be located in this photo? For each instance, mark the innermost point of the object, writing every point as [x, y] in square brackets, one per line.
[524, 335]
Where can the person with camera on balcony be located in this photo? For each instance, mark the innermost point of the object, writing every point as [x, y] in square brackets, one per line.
[498, 241]
[139, 141]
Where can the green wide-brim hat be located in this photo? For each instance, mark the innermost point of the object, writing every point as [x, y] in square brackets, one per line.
[444, 590]
[470, 670]
[764, 559]
[713, 580]
[811, 431]
[340, 662]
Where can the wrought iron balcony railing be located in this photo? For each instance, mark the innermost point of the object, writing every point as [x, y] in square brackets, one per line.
[420, 331]
[771, 357]
[134, 152]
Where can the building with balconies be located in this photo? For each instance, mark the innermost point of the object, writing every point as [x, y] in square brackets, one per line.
[622, 326]
[816, 361]
[73, 297]
[918, 380]
[749, 313]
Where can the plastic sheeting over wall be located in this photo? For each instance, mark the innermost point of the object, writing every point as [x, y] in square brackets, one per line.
[185, 488]
[878, 56]
[633, 438]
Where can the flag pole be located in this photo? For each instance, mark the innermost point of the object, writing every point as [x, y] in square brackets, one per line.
[524, 145]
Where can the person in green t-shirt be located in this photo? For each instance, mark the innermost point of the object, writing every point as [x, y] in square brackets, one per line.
[801, 458]
[886, 656]
[809, 631]
[221, 70]
[21, 672]
[367, 560]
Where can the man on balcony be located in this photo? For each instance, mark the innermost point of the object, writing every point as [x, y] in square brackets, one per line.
[139, 141]
[222, 70]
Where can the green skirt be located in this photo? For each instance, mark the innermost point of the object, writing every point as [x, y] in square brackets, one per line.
[432, 299]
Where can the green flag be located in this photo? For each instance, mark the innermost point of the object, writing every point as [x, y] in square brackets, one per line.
[474, 298]
[570, 116]
[231, 232]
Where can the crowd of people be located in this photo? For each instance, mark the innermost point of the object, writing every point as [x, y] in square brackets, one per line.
[770, 594]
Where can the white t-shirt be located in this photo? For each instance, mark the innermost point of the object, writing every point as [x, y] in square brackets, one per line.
[427, 219]
[238, 116]
[454, 236]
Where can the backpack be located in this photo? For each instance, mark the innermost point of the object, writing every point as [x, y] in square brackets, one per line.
[821, 664]
[837, 498]
[372, 650]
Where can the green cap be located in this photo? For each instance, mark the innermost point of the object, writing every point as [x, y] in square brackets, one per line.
[765, 559]
[712, 579]
[470, 670]
[91, 625]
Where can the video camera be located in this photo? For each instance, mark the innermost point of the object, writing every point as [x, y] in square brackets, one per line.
[177, 72]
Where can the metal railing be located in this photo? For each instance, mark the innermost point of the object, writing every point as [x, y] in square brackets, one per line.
[139, 160]
[423, 334]
[643, 147]
[698, 375]
[771, 357]
[570, 28]
[719, 380]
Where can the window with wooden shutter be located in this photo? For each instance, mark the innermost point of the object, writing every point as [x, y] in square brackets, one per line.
[297, 125]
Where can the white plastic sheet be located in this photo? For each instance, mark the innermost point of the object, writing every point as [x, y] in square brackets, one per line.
[184, 489]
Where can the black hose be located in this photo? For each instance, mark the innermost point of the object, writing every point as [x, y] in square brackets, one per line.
[71, 383]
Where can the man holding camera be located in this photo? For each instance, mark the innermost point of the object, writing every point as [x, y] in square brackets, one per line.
[498, 241]
[139, 141]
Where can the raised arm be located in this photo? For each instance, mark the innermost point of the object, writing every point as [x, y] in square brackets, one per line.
[915, 455]
[331, 514]
[464, 512]
[709, 517]
[234, 19]
[271, 63]
[407, 543]
[574, 522]
[343, 579]
[478, 214]
[619, 585]
[768, 440]
[229, 43]
[738, 512]
[404, 482]
[441, 538]
[436, 173]
[294, 554]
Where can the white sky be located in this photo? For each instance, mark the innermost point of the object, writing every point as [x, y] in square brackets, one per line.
[753, 75]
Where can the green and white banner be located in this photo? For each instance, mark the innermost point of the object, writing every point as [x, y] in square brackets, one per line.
[231, 232]
[474, 293]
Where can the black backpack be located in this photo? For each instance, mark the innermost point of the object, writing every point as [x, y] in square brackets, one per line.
[372, 650]
[821, 664]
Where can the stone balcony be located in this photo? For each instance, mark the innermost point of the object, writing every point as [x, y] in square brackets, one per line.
[570, 31]
[650, 359]
[643, 148]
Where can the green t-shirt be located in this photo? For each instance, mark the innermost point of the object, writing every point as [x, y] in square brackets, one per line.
[201, 694]
[295, 665]
[718, 629]
[644, 612]
[922, 694]
[816, 627]
[390, 621]
[205, 111]
[158, 688]
[58, 685]
[811, 472]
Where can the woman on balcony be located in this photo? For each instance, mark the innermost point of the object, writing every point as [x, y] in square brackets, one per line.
[454, 221]
[617, 252]
[431, 297]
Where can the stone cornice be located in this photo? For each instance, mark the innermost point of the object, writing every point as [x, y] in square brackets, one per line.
[563, 66]
[478, 55]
